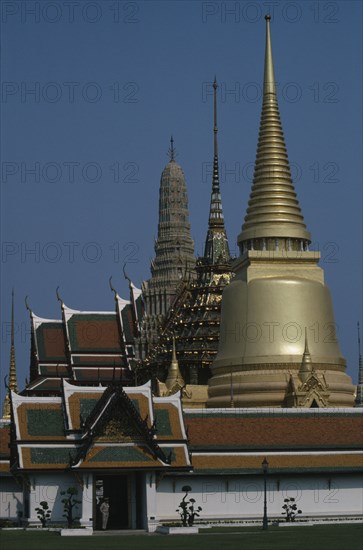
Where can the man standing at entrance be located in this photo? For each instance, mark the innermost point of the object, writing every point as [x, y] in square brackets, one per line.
[105, 511]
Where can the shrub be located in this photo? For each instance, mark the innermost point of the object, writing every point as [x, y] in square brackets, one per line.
[43, 512]
[186, 509]
[290, 509]
[70, 503]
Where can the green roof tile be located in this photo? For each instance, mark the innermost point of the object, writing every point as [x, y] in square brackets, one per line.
[163, 422]
[45, 422]
[120, 454]
[48, 455]
[86, 406]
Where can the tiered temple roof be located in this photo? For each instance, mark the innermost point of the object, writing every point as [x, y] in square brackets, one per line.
[87, 347]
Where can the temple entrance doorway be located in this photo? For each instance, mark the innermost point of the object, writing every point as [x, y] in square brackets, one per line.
[126, 494]
[117, 490]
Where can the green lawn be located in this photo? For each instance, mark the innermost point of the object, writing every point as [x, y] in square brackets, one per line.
[319, 537]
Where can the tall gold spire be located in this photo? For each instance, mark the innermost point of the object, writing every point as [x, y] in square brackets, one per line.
[278, 284]
[12, 383]
[273, 212]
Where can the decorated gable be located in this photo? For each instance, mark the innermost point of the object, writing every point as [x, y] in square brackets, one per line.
[99, 428]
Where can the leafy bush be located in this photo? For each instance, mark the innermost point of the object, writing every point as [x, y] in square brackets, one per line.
[290, 509]
[186, 509]
[43, 512]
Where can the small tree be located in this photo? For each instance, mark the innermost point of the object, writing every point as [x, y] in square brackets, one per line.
[290, 509]
[187, 511]
[43, 512]
[70, 503]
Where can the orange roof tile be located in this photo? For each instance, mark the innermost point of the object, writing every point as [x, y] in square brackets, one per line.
[283, 431]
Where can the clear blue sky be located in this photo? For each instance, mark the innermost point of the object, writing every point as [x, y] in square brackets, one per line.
[111, 81]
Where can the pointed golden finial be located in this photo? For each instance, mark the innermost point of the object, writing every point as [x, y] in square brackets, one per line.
[12, 385]
[174, 377]
[269, 86]
[306, 367]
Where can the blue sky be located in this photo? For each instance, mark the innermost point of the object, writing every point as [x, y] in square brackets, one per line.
[91, 92]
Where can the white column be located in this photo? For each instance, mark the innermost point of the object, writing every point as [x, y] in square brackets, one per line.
[34, 501]
[87, 520]
[151, 505]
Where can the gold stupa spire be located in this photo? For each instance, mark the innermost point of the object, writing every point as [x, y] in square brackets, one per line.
[273, 211]
[277, 281]
[174, 375]
[12, 383]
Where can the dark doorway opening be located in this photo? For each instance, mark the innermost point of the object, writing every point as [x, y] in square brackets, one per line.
[116, 489]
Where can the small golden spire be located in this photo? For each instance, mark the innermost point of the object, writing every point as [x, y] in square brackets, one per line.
[12, 385]
[306, 367]
[359, 396]
[174, 377]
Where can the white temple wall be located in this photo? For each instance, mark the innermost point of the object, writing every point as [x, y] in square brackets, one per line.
[227, 497]
[48, 487]
[11, 498]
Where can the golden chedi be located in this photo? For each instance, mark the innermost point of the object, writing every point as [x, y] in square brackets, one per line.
[278, 345]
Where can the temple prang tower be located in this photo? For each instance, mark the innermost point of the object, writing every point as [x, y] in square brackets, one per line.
[278, 294]
[174, 252]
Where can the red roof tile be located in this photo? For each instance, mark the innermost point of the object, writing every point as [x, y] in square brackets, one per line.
[263, 431]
